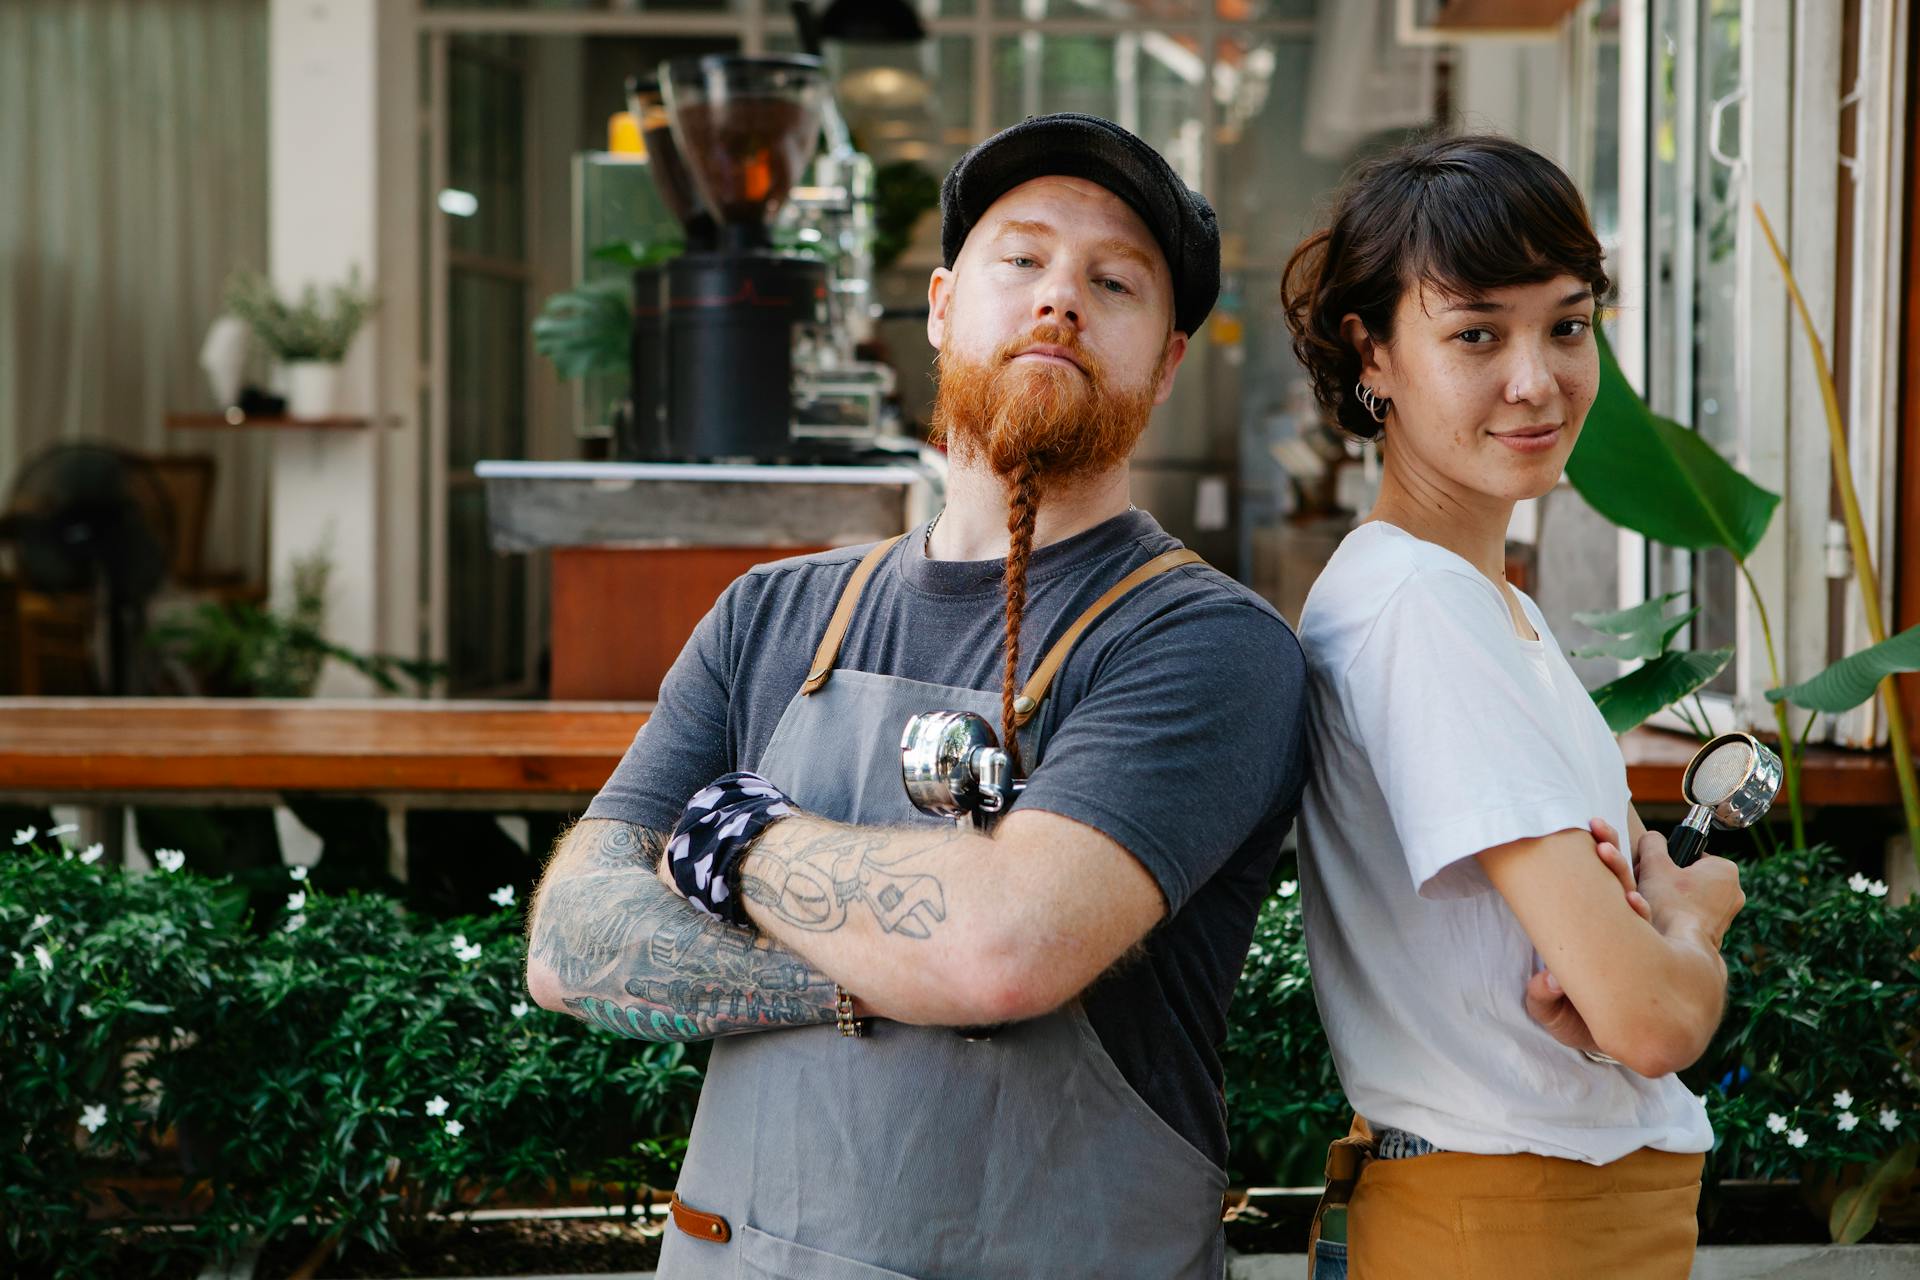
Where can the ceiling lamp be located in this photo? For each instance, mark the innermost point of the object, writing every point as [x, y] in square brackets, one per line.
[872, 22]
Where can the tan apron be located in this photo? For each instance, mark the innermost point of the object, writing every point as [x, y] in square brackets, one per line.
[1456, 1216]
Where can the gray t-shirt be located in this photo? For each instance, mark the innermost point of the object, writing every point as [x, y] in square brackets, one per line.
[1176, 728]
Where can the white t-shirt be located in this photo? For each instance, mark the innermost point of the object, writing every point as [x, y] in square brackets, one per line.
[1438, 732]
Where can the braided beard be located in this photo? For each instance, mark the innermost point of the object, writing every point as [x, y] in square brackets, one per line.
[1035, 424]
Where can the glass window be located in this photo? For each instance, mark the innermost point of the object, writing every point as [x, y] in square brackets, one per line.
[1694, 328]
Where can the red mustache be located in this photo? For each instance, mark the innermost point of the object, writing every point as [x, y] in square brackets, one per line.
[1061, 338]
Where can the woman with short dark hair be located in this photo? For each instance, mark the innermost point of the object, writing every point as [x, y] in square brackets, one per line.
[1506, 1009]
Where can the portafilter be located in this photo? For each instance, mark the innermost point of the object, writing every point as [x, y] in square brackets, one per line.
[1731, 783]
[953, 767]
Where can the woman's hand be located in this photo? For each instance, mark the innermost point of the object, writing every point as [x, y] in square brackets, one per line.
[1547, 1004]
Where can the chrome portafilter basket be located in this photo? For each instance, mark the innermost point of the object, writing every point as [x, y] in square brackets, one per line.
[953, 767]
[1731, 782]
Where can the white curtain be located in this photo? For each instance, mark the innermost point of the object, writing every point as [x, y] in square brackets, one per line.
[133, 166]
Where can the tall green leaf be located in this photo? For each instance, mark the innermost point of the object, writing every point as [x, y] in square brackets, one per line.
[1851, 681]
[1657, 685]
[1858, 1208]
[1641, 632]
[1657, 478]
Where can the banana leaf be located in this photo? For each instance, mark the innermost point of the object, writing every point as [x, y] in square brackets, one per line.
[1657, 685]
[1659, 479]
[1641, 632]
[1851, 681]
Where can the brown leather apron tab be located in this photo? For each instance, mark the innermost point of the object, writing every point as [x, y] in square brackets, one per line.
[710, 1227]
[829, 651]
[1347, 1159]
[1035, 691]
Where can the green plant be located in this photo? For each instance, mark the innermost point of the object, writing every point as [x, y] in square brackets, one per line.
[902, 192]
[1884, 657]
[1283, 1099]
[1651, 475]
[337, 1060]
[245, 650]
[313, 327]
[1664, 678]
[1812, 1072]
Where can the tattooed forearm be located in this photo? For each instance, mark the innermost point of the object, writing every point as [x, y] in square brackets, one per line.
[625, 953]
[812, 874]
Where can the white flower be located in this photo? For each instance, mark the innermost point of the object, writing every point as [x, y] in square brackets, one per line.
[1797, 1139]
[66, 853]
[92, 852]
[1889, 1119]
[297, 901]
[436, 1105]
[169, 859]
[1846, 1120]
[39, 922]
[1878, 889]
[1843, 1099]
[25, 834]
[1288, 888]
[1857, 882]
[295, 921]
[459, 942]
[1776, 1123]
[298, 873]
[64, 829]
[468, 954]
[519, 1008]
[85, 1010]
[1875, 985]
[93, 1116]
[454, 1128]
[43, 956]
[503, 896]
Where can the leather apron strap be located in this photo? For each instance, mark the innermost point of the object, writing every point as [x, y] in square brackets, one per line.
[829, 651]
[1346, 1158]
[1027, 704]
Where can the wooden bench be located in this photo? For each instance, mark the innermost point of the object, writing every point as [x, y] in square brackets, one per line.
[106, 753]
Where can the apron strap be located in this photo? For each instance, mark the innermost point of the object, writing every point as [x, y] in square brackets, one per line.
[829, 651]
[1028, 703]
[1346, 1158]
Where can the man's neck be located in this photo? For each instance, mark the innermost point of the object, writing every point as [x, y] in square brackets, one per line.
[974, 524]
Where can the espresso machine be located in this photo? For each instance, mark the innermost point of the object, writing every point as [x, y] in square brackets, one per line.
[718, 330]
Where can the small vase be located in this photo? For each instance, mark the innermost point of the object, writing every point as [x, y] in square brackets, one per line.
[310, 388]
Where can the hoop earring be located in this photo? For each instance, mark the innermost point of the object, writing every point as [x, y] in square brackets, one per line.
[1375, 405]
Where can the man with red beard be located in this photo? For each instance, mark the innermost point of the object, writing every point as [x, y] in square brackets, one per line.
[754, 865]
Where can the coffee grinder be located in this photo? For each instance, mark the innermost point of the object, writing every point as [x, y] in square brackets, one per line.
[740, 132]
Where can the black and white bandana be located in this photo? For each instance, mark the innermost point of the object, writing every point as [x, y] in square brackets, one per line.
[712, 837]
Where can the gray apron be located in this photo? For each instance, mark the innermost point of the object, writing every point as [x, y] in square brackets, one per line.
[911, 1151]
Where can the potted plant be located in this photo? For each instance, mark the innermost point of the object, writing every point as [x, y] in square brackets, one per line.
[309, 336]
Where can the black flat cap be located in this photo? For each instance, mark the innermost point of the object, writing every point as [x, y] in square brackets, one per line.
[1080, 146]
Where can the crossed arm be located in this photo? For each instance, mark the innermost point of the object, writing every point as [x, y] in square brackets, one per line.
[1644, 984]
[612, 946]
[931, 925]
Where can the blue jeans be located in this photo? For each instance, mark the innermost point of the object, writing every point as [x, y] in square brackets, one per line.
[1330, 1260]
